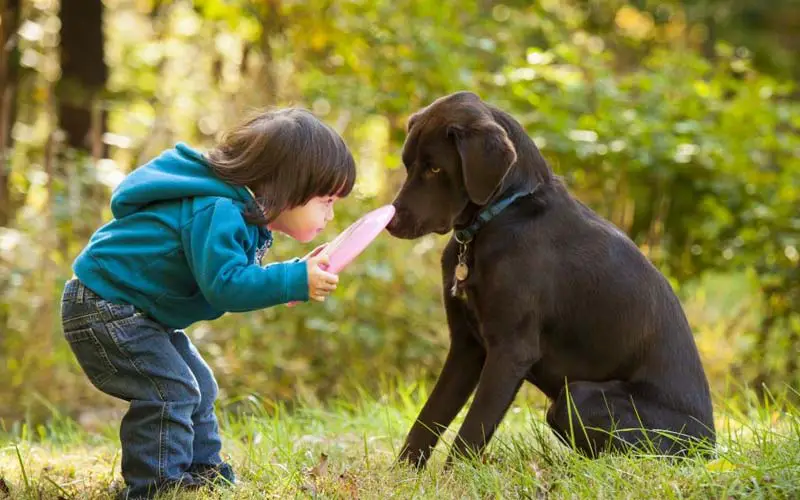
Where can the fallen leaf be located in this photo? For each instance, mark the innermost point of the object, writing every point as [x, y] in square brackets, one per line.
[309, 488]
[347, 481]
[321, 468]
[315, 473]
[721, 465]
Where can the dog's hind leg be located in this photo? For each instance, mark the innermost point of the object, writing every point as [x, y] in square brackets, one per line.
[593, 417]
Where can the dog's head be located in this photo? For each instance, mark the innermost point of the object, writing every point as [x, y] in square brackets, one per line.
[455, 154]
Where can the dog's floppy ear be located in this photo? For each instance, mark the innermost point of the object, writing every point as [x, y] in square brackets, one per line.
[486, 154]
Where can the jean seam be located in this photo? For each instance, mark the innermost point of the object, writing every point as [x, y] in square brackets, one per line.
[85, 318]
[111, 328]
[158, 389]
[163, 435]
[128, 321]
[99, 350]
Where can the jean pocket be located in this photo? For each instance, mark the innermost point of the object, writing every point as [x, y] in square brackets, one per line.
[91, 355]
[118, 311]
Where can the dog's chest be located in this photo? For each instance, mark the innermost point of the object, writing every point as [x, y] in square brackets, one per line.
[470, 295]
[465, 288]
[465, 283]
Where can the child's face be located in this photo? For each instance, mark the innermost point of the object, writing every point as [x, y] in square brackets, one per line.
[305, 222]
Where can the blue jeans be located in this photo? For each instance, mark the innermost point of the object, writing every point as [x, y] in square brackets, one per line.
[170, 429]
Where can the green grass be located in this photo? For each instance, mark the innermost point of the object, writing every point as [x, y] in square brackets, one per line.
[277, 454]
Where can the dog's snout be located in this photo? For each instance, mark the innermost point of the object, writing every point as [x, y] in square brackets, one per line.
[392, 223]
[399, 225]
[395, 222]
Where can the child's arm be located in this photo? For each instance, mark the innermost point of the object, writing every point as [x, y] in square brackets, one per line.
[214, 243]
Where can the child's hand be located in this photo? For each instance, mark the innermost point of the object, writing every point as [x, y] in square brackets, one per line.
[320, 283]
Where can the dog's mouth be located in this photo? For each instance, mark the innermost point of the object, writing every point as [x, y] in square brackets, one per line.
[404, 232]
[405, 227]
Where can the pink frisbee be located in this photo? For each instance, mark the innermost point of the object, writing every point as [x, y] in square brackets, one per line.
[353, 240]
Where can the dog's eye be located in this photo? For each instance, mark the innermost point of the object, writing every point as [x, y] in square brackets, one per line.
[435, 170]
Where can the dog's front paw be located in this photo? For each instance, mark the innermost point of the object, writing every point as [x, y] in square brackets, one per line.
[415, 457]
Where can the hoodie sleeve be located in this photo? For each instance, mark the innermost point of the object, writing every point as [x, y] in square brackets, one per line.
[214, 243]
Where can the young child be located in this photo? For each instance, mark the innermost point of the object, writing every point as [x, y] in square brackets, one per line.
[185, 245]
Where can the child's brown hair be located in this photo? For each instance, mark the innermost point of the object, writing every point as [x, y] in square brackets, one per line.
[286, 157]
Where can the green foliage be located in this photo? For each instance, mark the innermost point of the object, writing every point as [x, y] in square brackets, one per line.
[694, 154]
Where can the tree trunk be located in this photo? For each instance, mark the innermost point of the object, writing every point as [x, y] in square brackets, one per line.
[80, 111]
[9, 78]
[710, 42]
[83, 74]
[759, 355]
[272, 27]
[792, 369]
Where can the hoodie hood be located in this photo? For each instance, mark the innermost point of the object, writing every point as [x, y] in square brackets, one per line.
[176, 173]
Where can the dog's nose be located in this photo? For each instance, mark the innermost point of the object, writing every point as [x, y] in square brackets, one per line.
[392, 223]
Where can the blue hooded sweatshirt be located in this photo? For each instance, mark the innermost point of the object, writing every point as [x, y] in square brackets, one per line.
[180, 249]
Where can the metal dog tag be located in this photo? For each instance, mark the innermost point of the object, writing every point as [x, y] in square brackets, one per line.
[462, 271]
[455, 290]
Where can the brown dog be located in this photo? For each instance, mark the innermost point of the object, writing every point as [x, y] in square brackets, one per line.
[538, 287]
